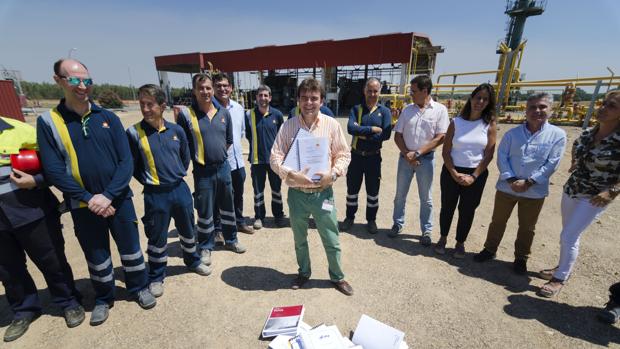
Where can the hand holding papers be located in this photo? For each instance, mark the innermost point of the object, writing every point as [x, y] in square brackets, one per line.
[314, 156]
[309, 155]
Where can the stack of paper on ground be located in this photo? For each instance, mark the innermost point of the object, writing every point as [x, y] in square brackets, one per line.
[369, 334]
[283, 320]
[308, 151]
[373, 334]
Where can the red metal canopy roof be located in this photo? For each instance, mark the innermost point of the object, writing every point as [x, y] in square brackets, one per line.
[378, 49]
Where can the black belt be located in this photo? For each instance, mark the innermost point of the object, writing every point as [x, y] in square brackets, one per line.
[366, 152]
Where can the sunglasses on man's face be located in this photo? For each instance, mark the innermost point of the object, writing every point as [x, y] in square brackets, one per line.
[75, 81]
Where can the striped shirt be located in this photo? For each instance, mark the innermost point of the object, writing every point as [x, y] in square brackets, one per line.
[324, 126]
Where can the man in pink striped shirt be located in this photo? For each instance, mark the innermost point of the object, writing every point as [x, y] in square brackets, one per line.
[307, 197]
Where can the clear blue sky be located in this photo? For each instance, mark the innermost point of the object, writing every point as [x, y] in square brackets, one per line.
[571, 38]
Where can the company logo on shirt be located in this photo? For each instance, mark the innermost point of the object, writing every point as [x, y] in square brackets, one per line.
[175, 138]
[274, 121]
[223, 121]
[105, 125]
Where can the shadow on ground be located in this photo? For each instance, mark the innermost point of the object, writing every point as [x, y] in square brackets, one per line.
[253, 278]
[575, 322]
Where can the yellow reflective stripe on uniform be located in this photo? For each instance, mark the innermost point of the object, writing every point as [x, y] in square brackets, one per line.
[148, 154]
[65, 138]
[254, 138]
[63, 132]
[359, 122]
[200, 149]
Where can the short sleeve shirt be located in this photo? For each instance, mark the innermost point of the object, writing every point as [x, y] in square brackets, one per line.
[419, 127]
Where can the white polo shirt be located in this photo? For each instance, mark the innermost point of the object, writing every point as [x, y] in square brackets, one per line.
[420, 127]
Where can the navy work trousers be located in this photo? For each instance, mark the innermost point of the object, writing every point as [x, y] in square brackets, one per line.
[259, 174]
[160, 205]
[212, 183]
[42, 240]
[93, 234]
[238, 178]
[360, 167]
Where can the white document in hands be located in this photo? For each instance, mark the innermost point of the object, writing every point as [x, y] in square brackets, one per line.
[314, 156]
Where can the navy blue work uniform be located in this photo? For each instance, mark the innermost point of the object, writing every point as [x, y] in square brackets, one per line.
[261, 132]
[208, 141]
[324, 110]
[84, 156]
[366, 156]
[30, 224]
[161, 158]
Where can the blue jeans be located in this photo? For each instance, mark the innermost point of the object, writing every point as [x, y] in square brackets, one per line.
[425, 183]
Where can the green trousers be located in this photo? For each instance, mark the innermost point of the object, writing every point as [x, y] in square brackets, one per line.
[301, 206]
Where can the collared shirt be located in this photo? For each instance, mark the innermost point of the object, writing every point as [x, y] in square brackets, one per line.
[237, 114]
[360, 127]
[265, 128]
[419, 127]
[324, 126]
[161, 157]
[524, 155]
[597, 165]
[216, 134]
[104, 161]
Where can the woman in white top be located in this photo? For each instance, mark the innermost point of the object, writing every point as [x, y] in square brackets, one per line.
[467, 151]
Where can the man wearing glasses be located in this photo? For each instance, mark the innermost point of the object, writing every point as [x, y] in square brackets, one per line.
[209, 134]
[85, 154]
[222, 90]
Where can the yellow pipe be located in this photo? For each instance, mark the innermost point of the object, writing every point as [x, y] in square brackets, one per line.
[509, 82]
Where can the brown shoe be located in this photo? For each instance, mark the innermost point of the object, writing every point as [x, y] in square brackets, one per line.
[244, 228]
[299, 281]
[343, 287]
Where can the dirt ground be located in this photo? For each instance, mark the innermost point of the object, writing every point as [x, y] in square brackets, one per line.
[438, 301]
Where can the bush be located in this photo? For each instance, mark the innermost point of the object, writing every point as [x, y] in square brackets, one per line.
[109, 99]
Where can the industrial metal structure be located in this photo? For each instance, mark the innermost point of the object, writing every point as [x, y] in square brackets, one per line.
[341, 65]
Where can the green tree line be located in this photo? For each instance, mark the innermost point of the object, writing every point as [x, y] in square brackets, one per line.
[45, 90]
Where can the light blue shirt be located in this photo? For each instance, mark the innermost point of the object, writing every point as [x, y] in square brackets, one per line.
[237, 114]
[524, 155]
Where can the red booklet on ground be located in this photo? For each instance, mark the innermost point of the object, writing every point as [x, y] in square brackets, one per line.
[283, 320]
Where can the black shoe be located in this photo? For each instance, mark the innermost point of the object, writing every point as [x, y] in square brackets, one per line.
[280, 221]
[611, 313]
[299, 282]
[372, 227]
[74, 316]
[17, 328]
[346, 224]
[520, 266]
[484, 256]
[426, 240]
[396, 229]
[311, 224]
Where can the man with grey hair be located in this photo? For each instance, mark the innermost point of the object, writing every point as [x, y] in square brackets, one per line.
[262, 124]
[527, 157]
[370, 124]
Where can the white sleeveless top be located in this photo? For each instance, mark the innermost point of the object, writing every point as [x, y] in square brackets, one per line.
[469, 141]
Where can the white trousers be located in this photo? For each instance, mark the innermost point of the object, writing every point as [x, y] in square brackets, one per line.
[577, 215]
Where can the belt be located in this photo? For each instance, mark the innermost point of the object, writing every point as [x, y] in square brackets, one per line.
[366, 153]
[310, 190]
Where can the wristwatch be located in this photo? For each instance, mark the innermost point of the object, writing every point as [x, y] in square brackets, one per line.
[614, 191]
[334, 176]
[417, 154]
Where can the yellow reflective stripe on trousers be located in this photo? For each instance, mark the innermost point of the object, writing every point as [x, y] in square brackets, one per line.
[254, 138]
[200, 149]
[148, 154]
[65, 138]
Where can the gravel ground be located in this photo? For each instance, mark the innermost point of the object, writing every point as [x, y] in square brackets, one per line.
[438, 301]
